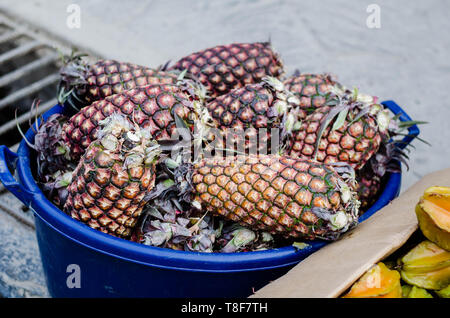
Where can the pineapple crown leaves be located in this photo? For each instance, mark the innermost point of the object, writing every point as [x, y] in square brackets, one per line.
[286, 106]
[59, 180]
[392, 149]
[182, 176]
[164, 225]
[33, 109]
[73, 73]
[233, 237]
[174, 180]
[300, 245]
[57, 185]
[338, 222]
[202, 118]
[196, 138]
[344, 219]
[385, 160]
[54, 170]
[347, 186]
[192, 86]
[74, 69]
[119, 134]
[397, 128]
[241, 237]
[52, 152]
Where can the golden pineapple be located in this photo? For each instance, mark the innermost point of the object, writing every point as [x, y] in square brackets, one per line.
[277, 194]
[109, 185]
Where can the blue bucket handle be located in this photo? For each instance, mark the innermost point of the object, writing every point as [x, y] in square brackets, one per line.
[8, 160]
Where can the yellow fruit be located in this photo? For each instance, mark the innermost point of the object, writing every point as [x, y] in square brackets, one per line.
[377, 282]
[444, 293]
[417, 292]
[433, 280]
[433, 214]
[406, 290]
[396, 292]
[424, 258]
[426, 266]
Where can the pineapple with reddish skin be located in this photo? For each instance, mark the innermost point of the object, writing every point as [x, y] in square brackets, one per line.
[254, 109]
[111, 180]
[313, 90]
[277, 194]
[387, 158]
[82, 84]
[352, 128]
[226, 67]
[353, 140]
[368, 187]
[151, 107]
[109, 77]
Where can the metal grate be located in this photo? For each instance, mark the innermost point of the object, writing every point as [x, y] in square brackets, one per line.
[28, 70]
[29, 66]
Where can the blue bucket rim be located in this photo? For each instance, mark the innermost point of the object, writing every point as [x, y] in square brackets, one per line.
[173, 259]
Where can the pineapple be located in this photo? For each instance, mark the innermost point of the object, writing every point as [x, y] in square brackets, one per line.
[351, 130]
[151, 107]
[110, 183]
[226, 67]
[370, 176]
[368, 187]
[313, 90]
[255, 110]
[277, 194]
[82, 84]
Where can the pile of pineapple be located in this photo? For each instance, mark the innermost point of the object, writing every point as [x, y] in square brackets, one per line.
[311, 159]
[424, 270]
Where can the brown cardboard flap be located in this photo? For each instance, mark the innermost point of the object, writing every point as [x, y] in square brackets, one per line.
[334, 268]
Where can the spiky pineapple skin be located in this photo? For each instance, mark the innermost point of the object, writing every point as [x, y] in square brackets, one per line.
[82, 84]
[267, 192]
[313, 90]
[353, 143]
[250, 109]
[106, 195]
[109, 77]
[368, 187]
[152, 107]
[226, 67]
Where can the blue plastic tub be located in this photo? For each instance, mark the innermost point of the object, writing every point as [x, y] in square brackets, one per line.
[106, 266]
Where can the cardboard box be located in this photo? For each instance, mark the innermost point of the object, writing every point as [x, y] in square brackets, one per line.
[333, 269]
